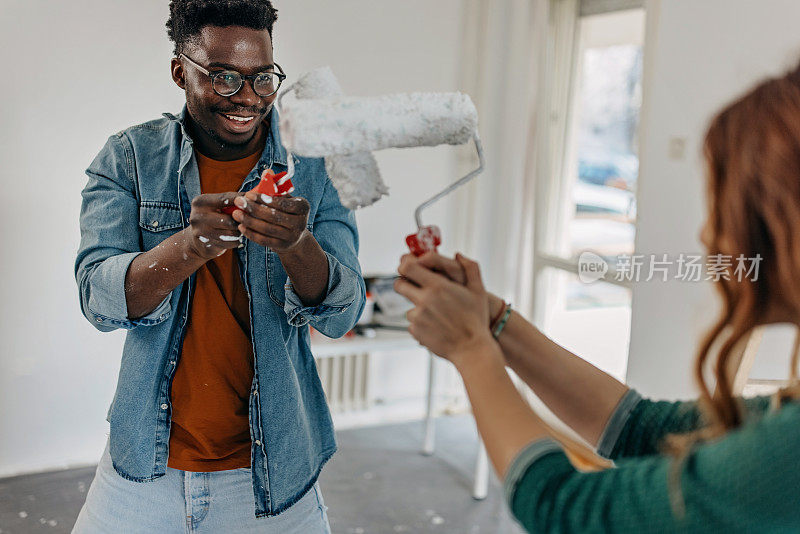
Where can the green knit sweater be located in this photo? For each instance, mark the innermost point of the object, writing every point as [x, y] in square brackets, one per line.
[748, 481]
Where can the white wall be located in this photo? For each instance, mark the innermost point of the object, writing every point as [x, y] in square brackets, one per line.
[86, 69]
[57, 374]
[698, 56]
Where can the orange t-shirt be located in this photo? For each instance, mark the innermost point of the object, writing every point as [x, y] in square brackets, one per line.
[211, 387]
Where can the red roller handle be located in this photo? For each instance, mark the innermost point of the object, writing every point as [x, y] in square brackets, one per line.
[271, 184]
[427, 239]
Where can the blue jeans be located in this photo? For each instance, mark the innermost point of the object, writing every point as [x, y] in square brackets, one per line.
[183, 502]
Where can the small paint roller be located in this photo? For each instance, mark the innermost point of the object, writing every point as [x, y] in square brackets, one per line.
[345, 130]
[354, 175]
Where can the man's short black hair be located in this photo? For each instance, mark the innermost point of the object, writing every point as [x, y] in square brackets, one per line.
[187, 17]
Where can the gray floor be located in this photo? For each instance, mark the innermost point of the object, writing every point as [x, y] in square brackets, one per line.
[377, 483]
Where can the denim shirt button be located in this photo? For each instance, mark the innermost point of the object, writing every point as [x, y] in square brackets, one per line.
[155, 224]
[258, 442]
[98, 319]
[164, 406]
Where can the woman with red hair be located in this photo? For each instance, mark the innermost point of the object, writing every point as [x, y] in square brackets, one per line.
[719, 464]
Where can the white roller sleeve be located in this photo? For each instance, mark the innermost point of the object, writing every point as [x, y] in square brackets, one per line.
[318, 83]
[357, 179]
[345, 125]
[355, 176]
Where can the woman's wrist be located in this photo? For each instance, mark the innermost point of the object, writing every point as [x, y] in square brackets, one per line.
[496, 305]
[480, 353]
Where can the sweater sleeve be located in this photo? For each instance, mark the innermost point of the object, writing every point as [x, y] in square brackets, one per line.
[729, 486]
[638, 426]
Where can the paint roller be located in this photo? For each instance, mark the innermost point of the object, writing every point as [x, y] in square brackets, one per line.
[322, 122]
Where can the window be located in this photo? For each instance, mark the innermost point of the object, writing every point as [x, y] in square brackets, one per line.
[591, 320]
[588, 178]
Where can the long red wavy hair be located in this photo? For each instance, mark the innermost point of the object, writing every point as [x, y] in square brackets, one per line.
[752, 149]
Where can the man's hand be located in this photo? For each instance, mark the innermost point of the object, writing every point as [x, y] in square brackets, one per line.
[211, 232]
[277, 222]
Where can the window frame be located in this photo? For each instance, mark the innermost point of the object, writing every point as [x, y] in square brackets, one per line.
[559, 89]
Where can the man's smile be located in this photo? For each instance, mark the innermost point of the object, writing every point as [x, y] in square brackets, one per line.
[239, 122]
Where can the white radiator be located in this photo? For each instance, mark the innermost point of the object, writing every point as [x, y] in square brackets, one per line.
[345, 380]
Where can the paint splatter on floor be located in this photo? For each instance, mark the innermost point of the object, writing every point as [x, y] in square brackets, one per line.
[392, 491]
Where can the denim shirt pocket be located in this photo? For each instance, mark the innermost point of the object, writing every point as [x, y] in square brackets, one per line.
[158, 220]
[277, 278]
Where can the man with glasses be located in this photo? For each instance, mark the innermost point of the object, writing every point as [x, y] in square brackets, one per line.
[219, 422]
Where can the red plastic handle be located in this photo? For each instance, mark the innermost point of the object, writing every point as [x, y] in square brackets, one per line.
[427, 239]
[271, 185]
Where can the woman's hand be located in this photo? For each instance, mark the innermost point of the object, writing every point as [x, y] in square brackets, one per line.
[452, 269]
[449, 318]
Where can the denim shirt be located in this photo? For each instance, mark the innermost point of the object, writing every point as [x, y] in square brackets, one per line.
[139, 193]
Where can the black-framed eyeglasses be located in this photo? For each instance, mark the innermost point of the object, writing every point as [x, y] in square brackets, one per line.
[229, 82]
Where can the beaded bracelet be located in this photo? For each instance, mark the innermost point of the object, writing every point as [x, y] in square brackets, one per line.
[496, 319]
[499, 328]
